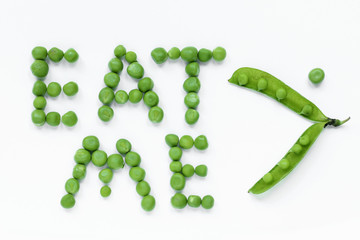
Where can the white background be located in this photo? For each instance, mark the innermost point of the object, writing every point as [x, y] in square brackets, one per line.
[248, 133]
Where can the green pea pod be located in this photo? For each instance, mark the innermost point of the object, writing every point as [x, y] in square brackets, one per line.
[290, 160]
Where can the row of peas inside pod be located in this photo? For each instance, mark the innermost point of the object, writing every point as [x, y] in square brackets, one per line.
[192, 57]
[41, 91]
[108, 164]
[144, 91]
[183, 172]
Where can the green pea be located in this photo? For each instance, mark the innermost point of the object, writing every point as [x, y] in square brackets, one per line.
[123, 146]
[172, 140]
[106, 95]
[55, 54]
[79, 171]
[192, 69]
[297, 148]
[177, 181]
[38, 117]
[201, 142]
[159, 55]
[135, 96]
[304, 140]
[156, 114]
[207, 202]
[281, 94]
[105, 113]
[106, 175]
[99, 158]
[120, 51]
[72, 186]
[174, 53]
[91, 143]
[69, 119]
[130, 57]
[262, 84]
[189, 54]
[39, 102]
[121, 97]
[192, 84]
[191, 100]
[115, 65]
[307, 110]
[71, 88]
[105, 191]
[135, 70]
[137, 174]
[175, 166]
[178, 201]
[204, 55]
[67, 201]
[268, 178]
[284, 164]
[188, 170]
[186, 142]
[201, 170]
[111, 80]
[132, 159]
[175, 153]
[71, 55]
[316, 75]
[39, 68]
[242, 79]
[115, 161]
[82, 156]
[145, 84]
[191, 116]
[53, 119]
[151, 99]
[39, 88]
[39, 53]
[148, 203]
[53, 89]
[219, 54]
[194, 201]
[143, 188]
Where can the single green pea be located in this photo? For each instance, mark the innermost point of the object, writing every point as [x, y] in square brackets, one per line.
[137, 174]
[284, 164]
[201, 170]
[172, 140]
[71, 55]
[242, 79]
[39, 68]
[105, 191]
[53, 119]
[304, 140]
[207, 202]
[121, 97]
[72, 186]
[178, 201]
[175, 166]
[188, 170]
[135, 96]
[135, 70]
[143, 188]
[194, 201]
[39, 88]
[119, 51]
[156, 114]
[189, 54]
[268, 178]
[175, 153]
[115, 161]
[82, 156]
[262, 84]
[316, 75]
[67, 201]
[174, 53]
[192, 69]
[38, 117]
[191, 116]
[159, 55]
[99, 158]
[132, 159]
[55, 54]
[145, 84]
[192, 84]
[204, 55]
[69, 119]
[39, 102]
[307, 110]
[186, 142]
[151, 99]
[70, 89]
[53, 89]
[111, 79]
[297, 148]
[106, 95]
[79, 171]
[148, 203]
[39, 53]
[106, 175]
[191, 100]
[219, 54]
[177, 181]
[281, 94]
[130, 57]
[115, 65]
[123, 146]
[91, 143]
[105, 113]
[201, 142]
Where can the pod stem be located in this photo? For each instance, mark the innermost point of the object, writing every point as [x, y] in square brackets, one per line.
[336, 122]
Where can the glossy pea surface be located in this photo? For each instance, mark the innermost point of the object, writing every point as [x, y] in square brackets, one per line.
[194, 201]
[172, 140]
[106, 95]
[135, 70]
[106, 175]
[39, 88]
[188, 170]
[179, 201]
[189, 54]
[201, 142]
[99, 158]
[111, 79]
[72, 186]
[204, 55]
[201, 170]
[177, 181]
[156, 114]
[137, 174]
[38, 117]
[174, 53]
[39, 68]
[316, 75]
[207, 202]
[53, 119]
[219, 54]
[69, 119]
[175, 153]
[67, 201]
[143, 188]
[121, 97]
[186, 142]
[192, 84]
[115, 161]
[132, 159]
[79, 171]
[159, 55]
[130, 57]
[39, 102]
[71, 55]
[55, 54]
[105, 113]
[123, 146]
[115, 65]
[135, 96]
[71, 88]
[105, 191]
[120, 51]
[192, 69]
[53, 89]
[175, 166]
[82, 156]
[148, 203]
[91, 143]
[192, 100]
[145, 84]
[191, 116]
[151, 99]
[39, 53]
